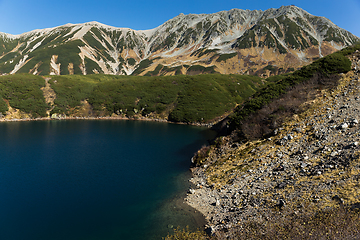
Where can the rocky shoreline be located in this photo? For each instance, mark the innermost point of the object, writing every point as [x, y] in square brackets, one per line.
[311, 162]
[208, 125]
[75, 118]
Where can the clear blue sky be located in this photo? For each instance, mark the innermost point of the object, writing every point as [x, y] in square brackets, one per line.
[19, 16]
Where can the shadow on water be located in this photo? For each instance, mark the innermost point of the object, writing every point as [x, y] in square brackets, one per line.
[174, 210]
[188, 150]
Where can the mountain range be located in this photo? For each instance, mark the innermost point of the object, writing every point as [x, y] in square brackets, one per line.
[228, 42]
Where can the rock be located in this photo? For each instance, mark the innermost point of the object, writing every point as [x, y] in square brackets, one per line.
[343, 126]
[279, 168]
[338, 199]
[334, 153]
[281, 204]
[315, 199]
[191, 191]
[303, 165]
[282, 185]
[354, 122]
[57, 116]
[298, 130]
[275, 132]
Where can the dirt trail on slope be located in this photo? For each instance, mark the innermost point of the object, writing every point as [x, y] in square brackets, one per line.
[49, 95]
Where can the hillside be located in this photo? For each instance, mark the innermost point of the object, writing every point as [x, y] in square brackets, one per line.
[228, 42]
[189, 99]
[301, 179]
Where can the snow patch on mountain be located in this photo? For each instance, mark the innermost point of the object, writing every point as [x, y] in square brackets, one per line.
[84, 29]
[7, 36]
[147, 33]
[35, 46]
[73, 29]
[19, 64]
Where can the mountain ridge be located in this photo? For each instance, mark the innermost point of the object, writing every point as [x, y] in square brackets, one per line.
[235, 41]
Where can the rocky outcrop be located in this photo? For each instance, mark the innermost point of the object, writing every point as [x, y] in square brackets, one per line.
[311, 162]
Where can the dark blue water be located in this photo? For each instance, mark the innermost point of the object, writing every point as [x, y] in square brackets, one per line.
[94, 179]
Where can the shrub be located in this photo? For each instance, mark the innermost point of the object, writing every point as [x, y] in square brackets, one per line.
[23, 92]
[201, 155]
[224, 57]
[70, 91]
[131, 61]
[3, 106]
[182, 98]
[322, 69]
[141, 66]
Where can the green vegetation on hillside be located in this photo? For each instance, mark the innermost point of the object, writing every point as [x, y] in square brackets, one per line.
[67, 53]
[23, 92]
[293, 34]
[216, 93]
[70, 91]
[131, 61]
[198, 69]
[324, 67]
[182, 98]
[224, 57]
[92, 37]
[203, 51]
[142, 65]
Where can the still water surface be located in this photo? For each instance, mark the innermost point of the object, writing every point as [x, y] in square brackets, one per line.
[94, 179]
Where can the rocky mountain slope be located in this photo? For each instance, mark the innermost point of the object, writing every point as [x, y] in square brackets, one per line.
[311, 163]
[235, 41]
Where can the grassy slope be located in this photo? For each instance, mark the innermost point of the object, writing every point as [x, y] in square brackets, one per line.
[199, 98]
[332, 64]
[23, 92]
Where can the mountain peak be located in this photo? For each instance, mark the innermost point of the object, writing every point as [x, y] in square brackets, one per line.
[235, 41]
[97, 24]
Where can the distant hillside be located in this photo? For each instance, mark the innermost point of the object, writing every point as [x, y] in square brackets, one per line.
[228, 42]
[188, 99]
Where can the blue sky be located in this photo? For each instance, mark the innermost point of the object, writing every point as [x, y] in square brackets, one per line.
[19, 16]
